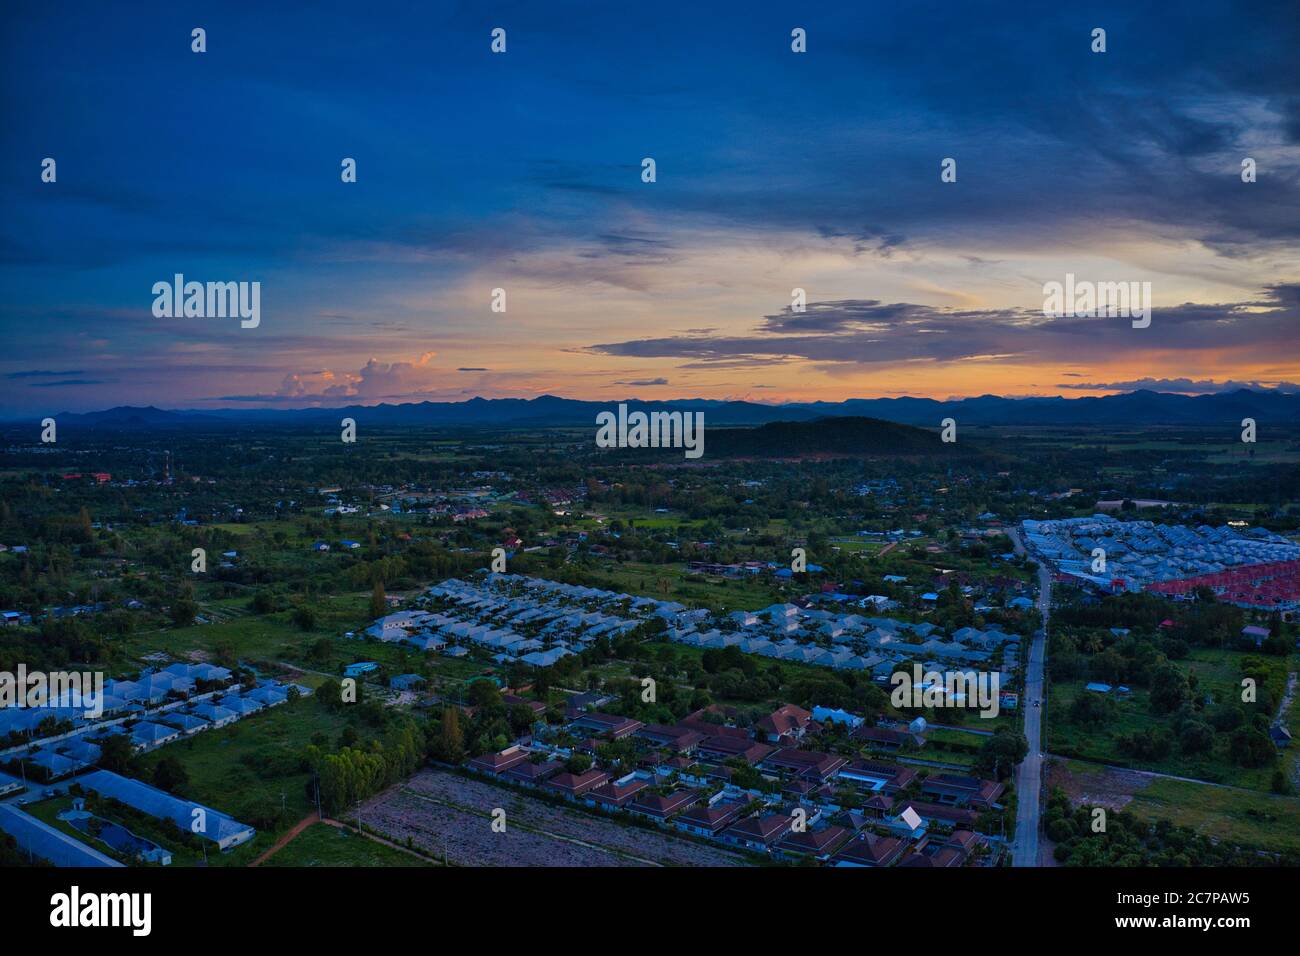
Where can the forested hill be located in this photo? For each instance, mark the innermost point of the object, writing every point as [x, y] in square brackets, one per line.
[824, 436]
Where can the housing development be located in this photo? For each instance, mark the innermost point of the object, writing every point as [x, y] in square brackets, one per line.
[525, 441]
[496, 650]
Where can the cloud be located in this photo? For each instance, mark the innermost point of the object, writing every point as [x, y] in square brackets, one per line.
[1184, 385]
[374, 381]
[44, 373]
[643, 382]
[871, 333]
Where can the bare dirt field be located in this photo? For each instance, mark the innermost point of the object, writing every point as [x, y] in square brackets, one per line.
[1094, 785]
[445, 814]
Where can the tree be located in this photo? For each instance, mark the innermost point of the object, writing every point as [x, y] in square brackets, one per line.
[484, 693]
[1252, 747]
[450, 743]
[1195, 737]
[378, 600]
[1000, 754]
[116, 753]
[182, 611]
[304, 617]
[578, 764]
[170, 775]
[1169, 689]
[1280, 784]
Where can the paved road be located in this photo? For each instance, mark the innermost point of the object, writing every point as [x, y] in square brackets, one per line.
[1029, 775]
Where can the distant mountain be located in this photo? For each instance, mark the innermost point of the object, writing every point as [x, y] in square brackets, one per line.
[1140, 408]
[823, 436]
[129, 416]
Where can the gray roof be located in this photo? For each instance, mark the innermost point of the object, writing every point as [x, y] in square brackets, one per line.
[160, 804]
[46, 842]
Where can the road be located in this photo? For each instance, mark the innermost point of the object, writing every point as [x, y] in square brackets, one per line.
[1029, 775]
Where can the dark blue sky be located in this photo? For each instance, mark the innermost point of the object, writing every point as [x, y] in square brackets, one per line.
[522, 171]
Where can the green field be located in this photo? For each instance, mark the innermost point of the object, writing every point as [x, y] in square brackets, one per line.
[1240, 816]
[252, 769]
[324, 845]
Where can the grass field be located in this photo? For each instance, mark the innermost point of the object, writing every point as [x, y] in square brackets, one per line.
[1224, 813]
[323, 845]
[252, 769]
[714, 593]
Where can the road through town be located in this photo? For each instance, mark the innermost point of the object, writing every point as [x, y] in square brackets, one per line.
[1029, 775]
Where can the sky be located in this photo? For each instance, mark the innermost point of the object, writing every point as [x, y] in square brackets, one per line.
[522, 171]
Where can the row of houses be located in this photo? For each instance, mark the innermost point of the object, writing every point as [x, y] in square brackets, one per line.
[787, 826]
[120, 697]
[72, 754]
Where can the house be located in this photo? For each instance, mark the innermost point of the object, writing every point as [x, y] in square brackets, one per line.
[882, 778]
[574, 785]
[347, 545]
[1257, 635]
[578, 704]
[723, 747]
[887, 739]
[529, 774]
[617, 794]
[268, 695]
[405, 682]
[785, 721]
[868, 849]
[320, 546]
[146, 735]
[190, 817]
[214, 714]
[185, 723]
[944, 816]
[537, 707]
[611, 725]
[359, 668]
[819, 844]
[960, 791]
[759, 832]
[806, 764]
[953, 852]
[708, 820]
[499, 763]
[659, 808]
[682, 740]
[830, 715]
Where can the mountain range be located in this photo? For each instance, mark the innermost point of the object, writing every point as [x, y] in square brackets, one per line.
[1138, 408]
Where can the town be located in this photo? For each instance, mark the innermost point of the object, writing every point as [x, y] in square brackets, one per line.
[517, 649]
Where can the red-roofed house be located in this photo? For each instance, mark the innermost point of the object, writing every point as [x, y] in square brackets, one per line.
[786, 721]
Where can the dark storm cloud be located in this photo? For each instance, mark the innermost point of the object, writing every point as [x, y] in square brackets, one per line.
[868, 332]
